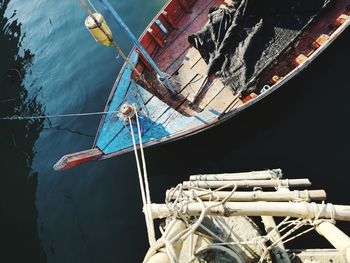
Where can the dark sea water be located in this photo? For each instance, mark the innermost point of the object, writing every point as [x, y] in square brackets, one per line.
[50, 64]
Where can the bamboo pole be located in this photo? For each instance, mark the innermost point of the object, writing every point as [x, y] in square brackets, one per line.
[255, 175]
[279, 252]
[281, 209]
[305, 195]
[336, 237]
[270, 226]
[248, 183]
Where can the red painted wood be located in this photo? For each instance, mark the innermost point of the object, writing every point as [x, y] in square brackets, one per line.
[169, 20]
[183, 20]
[176, 47]
[148, 43]
[75, 159]
[185, 6]
[175, 10]
[157, 38]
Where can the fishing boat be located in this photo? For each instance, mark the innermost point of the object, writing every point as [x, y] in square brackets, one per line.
[201, 62]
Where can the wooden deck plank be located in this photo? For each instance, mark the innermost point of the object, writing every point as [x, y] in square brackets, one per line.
[192, 56]
[187, 71]
[213, 90]
[185, 75]
[190, 53]
[177, 123]
[200, 68]
[155, 108]
[235, 105]
[222, 100]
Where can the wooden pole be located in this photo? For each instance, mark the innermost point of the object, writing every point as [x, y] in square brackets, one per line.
[305, 195]
[248, 183]
[281, 209]
[279, 252]
[336, 237]
[161, 76]
[255, 175]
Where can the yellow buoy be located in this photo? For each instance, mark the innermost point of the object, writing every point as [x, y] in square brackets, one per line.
[98, 34]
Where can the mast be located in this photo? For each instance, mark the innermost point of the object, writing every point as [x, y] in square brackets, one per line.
[162, 78]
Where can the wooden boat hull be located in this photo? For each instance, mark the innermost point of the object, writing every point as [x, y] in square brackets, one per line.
[162, 122]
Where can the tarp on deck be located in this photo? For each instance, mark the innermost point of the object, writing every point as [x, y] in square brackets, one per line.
[241, 41]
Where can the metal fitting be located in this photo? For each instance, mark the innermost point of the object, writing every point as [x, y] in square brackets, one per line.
[126, 112]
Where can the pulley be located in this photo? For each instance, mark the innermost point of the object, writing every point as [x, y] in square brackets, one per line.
[99, 29]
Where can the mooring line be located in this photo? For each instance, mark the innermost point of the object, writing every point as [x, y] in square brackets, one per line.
[17, 117]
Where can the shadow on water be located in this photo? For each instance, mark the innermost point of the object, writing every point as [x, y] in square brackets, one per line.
[93, 213]
[18, 182]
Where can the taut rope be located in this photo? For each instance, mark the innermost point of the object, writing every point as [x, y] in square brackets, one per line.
[16, 117]
[143, 180]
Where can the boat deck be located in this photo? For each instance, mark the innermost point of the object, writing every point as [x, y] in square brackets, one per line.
[188, 70]
[166, 115]
[199, 102]
[175, 56]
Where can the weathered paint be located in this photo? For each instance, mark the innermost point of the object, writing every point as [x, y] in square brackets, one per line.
[125, 90]
[161, 123]
[71, 160]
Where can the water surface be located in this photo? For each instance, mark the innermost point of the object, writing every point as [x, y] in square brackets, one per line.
[50, 64]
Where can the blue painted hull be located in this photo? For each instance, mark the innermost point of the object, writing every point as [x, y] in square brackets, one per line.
[159, 121]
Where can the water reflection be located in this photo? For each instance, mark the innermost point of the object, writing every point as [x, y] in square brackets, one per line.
[18, 181]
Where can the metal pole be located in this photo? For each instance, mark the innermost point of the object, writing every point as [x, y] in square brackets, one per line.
[166, 82]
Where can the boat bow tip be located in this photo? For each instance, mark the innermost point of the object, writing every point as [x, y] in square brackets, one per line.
[75, 159]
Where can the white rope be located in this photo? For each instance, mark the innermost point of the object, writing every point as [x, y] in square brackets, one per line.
[145, 175]
[145, 198]
[142, 188]
[16, 117]
[92, 6]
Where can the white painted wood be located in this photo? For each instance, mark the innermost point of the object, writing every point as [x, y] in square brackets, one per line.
[248, 183]
[336, 237]
[254, 175]
[304, 195]
[280, 209]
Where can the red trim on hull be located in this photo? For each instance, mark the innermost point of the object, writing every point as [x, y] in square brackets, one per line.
[72, 160]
